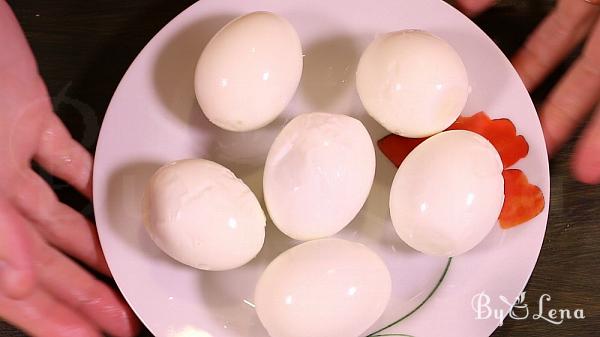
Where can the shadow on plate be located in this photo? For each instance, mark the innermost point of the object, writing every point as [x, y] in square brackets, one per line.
[124, 205]
[230, 294]
[244, 153]
[175, 66]
[329, 71]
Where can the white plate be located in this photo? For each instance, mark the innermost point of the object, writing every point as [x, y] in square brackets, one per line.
[154, 118]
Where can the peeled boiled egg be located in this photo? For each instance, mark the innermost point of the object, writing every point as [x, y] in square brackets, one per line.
[200, 214]
[448, 193]
[318, 174]
[249, 71]
[323, 288]
[412, 82]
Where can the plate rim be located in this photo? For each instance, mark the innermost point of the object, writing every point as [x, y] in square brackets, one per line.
[186, 12]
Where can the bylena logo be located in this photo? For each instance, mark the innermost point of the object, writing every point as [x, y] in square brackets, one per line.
[481, 304]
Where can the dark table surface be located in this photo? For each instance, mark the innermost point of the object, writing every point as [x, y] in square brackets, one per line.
[84, 47]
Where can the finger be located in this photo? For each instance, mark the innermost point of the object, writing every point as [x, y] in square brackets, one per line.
[12, 35]
[63, 157]
[473, 7]
[559, 33]
[21, 83]
[16, 269]
[40, 315]
[60, 225]
[586, 160]
[574, 96]
[72, 285]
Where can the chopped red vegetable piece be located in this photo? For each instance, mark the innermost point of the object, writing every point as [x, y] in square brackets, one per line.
[396, 148]
[522, 200]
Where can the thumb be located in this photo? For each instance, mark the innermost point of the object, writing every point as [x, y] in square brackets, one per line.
[473, 7]
[17, 278]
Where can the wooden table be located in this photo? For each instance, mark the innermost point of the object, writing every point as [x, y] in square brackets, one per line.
[84, 47]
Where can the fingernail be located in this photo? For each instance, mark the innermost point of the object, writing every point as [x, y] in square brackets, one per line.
[13, 282]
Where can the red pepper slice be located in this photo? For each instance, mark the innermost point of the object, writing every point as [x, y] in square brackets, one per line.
[522, 200]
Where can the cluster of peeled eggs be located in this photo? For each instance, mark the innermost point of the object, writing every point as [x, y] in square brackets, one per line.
[319, 171]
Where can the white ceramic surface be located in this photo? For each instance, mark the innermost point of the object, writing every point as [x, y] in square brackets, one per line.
[154, 118]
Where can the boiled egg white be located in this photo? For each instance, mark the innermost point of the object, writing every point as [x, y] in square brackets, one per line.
[318, 174]
[249, 71]
[448, 193]
[323, 288]
[200, 214]
[412, 82]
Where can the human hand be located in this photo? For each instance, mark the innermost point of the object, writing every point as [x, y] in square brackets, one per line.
[42, 290]
[578, 92]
